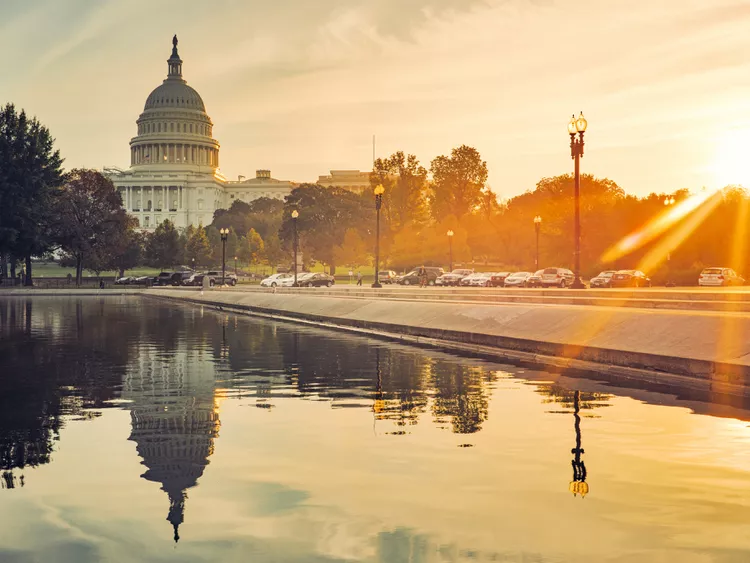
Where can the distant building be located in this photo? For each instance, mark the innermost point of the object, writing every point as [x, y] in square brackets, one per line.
[254, 188]
[174, 161]
[352, 180]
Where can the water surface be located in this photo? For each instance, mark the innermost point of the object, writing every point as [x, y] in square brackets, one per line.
[133, 430]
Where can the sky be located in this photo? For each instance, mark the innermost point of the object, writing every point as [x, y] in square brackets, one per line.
[301, 86]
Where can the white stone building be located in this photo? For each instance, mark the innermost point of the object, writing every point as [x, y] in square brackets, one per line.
[352, 180]
[174, 161]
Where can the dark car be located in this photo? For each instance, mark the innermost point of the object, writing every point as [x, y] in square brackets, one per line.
[318, 280]
[181, 278]
[164, 278]
[604, 279]
[498, 279]
[535, 279]
[630, 278]
[412, 278]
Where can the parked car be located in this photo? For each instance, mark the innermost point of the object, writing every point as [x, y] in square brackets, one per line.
[127, 280]
[318, 279]
[142, 280]
[535, 279]
[630, 278]
[454, 277]
[603, 279]
[387, 276]
[498, 279]
[278, 280]
[712, 277]
[179, 278]
[481, 279]
[215, 277]
[560, 277]
[412, 278]
[517, 280]
[164, 278]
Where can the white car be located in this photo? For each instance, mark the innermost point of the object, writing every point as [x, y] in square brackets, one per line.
[717, 277]
[278, 280]
[482, 279]
[517, 280]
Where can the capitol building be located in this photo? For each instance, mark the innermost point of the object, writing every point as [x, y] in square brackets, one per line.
[174, 161]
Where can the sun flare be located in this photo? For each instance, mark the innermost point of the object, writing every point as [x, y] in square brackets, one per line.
[732, 160]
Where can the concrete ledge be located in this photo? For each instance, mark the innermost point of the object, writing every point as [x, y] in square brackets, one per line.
[32, 292]
[706, 347]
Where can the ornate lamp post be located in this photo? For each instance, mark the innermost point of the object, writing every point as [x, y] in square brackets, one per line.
[450, 249]
[295, 214]
[668, 202]
[577, 125]
[578, 486]
[224, 234]
[537, 228]
[379, 190]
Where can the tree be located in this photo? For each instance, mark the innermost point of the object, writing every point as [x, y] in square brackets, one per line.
[273, 251]
[197, 248]
[30, 178]
[457, 182]
[130, 252]
[325, 216]
[252, 247]
[91, 226]
[352, 252]
[405, 182]
[163, 245]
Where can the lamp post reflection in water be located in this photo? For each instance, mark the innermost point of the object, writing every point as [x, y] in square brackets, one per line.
[578, 486]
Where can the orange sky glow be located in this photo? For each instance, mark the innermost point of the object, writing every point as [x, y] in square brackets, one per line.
[300, 87]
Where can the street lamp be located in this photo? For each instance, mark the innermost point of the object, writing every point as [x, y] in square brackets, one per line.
[295, 214]
[577, 125]
[379, 191]
[235, 266]
[450, 249]
[224, 234]
[668, 202]
[537, 228]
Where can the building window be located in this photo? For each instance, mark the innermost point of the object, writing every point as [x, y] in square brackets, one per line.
[200, 204]
[171, 127]
[159, 127]
[191, 127]
[146, 222]
[148, 205]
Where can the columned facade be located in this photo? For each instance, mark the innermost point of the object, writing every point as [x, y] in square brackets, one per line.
[174, 160]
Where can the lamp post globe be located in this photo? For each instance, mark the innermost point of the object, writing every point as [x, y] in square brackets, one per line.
[295, 215]
[577, 125]
[537, 228]
[224, 235]
[378, 191]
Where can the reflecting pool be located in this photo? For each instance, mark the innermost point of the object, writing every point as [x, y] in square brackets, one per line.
[136, 430]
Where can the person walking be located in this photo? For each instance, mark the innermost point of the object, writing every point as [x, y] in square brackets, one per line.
[359, 278]
[422, 276]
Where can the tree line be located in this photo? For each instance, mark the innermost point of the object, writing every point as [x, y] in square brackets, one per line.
[79, 215]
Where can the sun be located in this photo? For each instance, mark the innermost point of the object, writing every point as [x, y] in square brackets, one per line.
[732, 160]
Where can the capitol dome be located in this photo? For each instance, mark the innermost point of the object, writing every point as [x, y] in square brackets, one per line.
[175, 94]
[174, 128]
